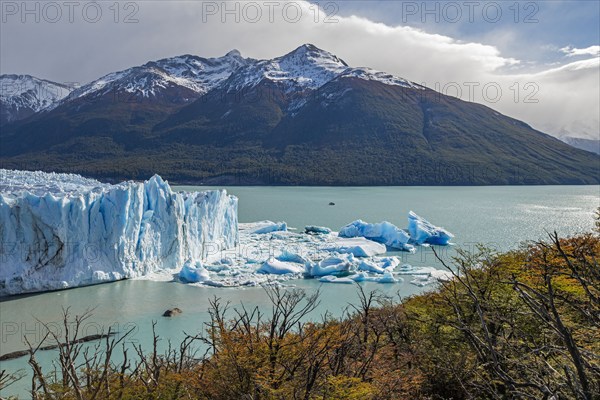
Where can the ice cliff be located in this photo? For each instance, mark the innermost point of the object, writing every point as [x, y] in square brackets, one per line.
[61, 230]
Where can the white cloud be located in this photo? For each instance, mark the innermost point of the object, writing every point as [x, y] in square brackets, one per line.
[588, 51]
[568, 101]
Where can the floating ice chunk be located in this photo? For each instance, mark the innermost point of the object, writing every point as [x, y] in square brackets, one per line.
[288, 256]
[370, 266]
[335, 279]
[387, 262]
[387, 277]
[269, 226]
[193, 273]
[423, 280]
[312, 229]
[383, 232]
[407, 269]
[441, 275]
[425, 275]
[276, 267]
[422, 231]
[342, 264]
[217, 267]
[359, 247]
[214, 283]
[359, 277]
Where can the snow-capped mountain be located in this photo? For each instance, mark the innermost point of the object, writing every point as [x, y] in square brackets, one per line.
[301, 72]
[183, 79]
[187, 76]
[302, 118]
[307, 67]
[24, 95]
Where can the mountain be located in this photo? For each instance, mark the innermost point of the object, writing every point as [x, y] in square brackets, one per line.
[124, 105]
[177, 79]
[303, 118]
[592, 145]
[23, 95]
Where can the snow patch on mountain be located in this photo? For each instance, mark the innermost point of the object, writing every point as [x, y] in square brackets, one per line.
[370, 74]
[199, 75]
[307, 67]
[22, 95]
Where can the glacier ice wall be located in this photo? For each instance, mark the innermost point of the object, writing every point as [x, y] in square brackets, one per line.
[62, 230]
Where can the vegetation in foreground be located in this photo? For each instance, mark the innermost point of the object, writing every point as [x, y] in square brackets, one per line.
[523, 324]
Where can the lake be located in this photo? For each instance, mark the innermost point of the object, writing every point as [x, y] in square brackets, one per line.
[500, 217]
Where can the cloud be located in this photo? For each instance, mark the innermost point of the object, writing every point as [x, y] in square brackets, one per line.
[588, 51]
[565, 99]
[553, 100]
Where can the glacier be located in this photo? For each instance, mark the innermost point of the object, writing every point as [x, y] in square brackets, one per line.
[61, 230]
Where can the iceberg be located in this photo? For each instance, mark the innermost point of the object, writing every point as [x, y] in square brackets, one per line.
[277, 267]
[359, 247]
[423, 280]
[193, 273]
[316, 230]
[387, 277]
[335, 279]
[62, 230]
[369, 266]
[422, 231]
[341, 264]
[288, 256]
[387, 262]
[424, 276]
[383, 232]
[269, 226]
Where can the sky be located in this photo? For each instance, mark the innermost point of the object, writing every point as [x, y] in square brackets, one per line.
[537, 61]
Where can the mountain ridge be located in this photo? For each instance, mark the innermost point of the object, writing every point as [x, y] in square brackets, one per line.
[24, 95]
[306, 117]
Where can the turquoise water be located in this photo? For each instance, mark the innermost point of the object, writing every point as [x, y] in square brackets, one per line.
[501, 217]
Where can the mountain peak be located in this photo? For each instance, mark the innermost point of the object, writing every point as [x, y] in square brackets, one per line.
[308, 47]
[310, 53]
[194, 74]
[234, 53]
[24, 95]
